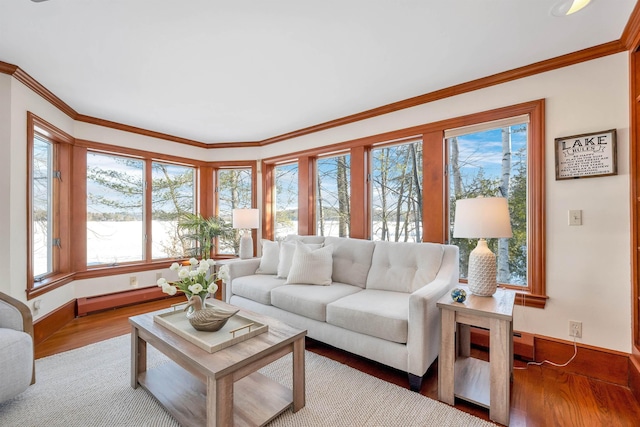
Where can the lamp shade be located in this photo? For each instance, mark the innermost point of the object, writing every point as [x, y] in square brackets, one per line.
[482, 217]
[245, 218]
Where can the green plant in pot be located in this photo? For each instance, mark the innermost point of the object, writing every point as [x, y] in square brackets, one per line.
[203, 232]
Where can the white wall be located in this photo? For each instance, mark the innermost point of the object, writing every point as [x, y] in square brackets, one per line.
[588, 267]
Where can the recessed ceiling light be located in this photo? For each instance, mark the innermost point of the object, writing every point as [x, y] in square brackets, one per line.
[568, 7]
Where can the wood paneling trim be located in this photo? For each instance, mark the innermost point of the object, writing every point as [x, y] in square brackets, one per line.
[517, 73]
[631, 35]
[33, 84]
[306, 196]
[634, 184]
[79, 210]
[434, 194]
[48, 324]
[594, 362]
[267, 200]
[360, 224]
[634, 374]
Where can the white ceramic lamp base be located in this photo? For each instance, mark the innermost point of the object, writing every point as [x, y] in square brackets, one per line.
[482, 270]
[246, 246]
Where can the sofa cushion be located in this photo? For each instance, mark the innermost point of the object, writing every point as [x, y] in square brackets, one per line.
[382, 314]
[256, 287]
[311, 266]
[403, 267]
[269, 258]
[351, 259]
[310, 300]
[287, 250]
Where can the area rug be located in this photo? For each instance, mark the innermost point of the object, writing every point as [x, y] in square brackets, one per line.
[90, 386]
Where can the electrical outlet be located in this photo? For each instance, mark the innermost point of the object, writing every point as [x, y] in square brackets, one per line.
[133, 281]
[575, 329]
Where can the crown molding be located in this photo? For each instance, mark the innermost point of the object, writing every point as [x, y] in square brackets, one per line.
[631, 34]
[20, 75]
[160, 135]
[517, 73]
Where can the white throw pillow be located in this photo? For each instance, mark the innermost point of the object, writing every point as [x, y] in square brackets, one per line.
[270, 257]
[311, 266]
[287, 249]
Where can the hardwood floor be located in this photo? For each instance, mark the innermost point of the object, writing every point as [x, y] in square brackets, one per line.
[540, 397]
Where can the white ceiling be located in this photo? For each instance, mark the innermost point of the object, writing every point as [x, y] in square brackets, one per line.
[247, 70]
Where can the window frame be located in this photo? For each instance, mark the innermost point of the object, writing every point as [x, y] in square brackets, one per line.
[60, 205]
[435, 189]
[216, 194]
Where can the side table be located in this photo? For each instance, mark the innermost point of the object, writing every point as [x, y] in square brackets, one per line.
[484, 383]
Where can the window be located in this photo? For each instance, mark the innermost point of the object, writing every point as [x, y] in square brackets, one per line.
[48, 206]
[173, 194]
[332, 196]
[42, 213]
[234, 191]
[115, 209]
[491, 161]
[403, 186]
[396, 187]
[286, 200]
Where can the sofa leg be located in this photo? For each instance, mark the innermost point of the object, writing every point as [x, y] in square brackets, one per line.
[415, 383]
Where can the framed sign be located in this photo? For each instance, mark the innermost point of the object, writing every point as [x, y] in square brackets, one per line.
[588, 155]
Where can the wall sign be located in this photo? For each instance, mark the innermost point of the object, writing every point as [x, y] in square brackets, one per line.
[588, 155]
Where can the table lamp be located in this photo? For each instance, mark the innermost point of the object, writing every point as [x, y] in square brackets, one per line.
[481, 218]
[244, 219]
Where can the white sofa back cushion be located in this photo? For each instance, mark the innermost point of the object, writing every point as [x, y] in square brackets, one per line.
[403, 267]
[351, 259]
[269, 258]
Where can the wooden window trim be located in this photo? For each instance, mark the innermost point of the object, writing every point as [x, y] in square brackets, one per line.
[63, 146]
[211, 193]
[434, 219]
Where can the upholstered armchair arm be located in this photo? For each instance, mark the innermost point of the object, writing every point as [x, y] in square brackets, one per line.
[16, 315]
[244, 267]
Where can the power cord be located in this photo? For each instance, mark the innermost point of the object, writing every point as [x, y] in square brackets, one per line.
[575, 353]
[559, 365]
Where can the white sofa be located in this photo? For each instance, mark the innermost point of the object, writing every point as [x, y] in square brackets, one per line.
[380, 302]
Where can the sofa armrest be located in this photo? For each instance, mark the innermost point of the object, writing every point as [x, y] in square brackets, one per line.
[244, 267]
[423, 340]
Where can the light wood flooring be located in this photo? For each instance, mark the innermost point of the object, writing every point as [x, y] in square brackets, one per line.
[540, 397]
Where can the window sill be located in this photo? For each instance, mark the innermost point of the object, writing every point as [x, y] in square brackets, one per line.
[49, 284]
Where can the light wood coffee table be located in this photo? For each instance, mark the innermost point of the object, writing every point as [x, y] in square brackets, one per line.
[222, 388]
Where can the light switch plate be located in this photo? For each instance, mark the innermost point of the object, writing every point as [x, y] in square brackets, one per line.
[575, 217]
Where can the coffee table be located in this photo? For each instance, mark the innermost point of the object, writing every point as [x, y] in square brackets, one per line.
[222, 388]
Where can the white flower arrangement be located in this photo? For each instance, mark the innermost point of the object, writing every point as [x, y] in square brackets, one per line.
[194, 278]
